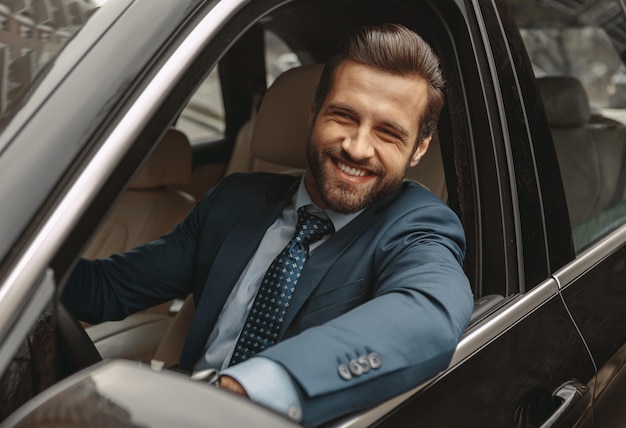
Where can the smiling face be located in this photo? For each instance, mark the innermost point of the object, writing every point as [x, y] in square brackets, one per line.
[363, 137]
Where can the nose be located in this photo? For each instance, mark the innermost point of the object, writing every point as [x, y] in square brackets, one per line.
[358, 145]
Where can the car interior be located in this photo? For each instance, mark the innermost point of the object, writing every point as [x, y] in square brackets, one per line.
[261, 146]
[248, 140]
[575, 55]
[169, 182]
[590, 149]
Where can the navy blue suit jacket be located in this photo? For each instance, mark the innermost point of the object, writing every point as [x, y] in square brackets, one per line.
[390, 285]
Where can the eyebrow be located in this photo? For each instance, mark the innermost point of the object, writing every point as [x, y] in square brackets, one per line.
[341, 106]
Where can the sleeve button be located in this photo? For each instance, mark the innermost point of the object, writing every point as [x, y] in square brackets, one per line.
[355, 368]
[344, 372]
[295, 413]
[364, 362]
[375, 360]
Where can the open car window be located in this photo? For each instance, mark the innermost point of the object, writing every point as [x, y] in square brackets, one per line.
[576, 52]
[203, 118]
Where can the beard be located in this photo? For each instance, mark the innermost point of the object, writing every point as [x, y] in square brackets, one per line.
[347, 198]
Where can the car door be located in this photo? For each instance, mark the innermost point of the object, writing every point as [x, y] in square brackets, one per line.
[576, 51]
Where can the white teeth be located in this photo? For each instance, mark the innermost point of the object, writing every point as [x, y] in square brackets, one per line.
[351, 171]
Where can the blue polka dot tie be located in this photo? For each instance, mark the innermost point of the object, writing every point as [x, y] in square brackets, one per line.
[272, 300]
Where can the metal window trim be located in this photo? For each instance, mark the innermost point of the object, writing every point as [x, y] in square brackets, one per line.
[591, 257]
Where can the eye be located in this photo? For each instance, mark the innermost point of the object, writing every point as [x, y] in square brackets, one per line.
[342, 115]
[390, 134]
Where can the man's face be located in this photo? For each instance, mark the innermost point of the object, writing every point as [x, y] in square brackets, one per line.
[364, 137]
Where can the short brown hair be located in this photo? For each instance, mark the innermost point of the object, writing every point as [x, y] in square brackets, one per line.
[397, 50]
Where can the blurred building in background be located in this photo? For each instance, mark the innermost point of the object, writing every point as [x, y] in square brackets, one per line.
[31, 33]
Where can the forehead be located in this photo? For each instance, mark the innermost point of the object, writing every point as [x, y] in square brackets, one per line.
[370, 90]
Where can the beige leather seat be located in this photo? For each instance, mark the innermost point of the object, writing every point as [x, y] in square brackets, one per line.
[275, 139]
[150, 208]
[152, 205]
[590, 150]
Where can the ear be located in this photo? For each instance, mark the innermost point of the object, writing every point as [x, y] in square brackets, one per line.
[422, 146]
[311, 115]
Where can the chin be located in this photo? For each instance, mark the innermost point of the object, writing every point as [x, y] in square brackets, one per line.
[346, 200]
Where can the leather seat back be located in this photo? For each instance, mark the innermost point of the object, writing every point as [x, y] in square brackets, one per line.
[151, 206]
[589, 149]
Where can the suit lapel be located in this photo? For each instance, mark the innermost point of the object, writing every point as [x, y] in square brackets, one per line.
[321, 261]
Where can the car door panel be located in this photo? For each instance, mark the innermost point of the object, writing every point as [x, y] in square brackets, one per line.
[595, 292]
[610, 390]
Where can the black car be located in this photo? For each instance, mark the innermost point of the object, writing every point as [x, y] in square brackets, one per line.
[116, 117]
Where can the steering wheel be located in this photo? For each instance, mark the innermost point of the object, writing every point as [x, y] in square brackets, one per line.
[76, 349]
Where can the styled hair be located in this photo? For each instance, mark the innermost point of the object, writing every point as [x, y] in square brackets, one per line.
[395, 49]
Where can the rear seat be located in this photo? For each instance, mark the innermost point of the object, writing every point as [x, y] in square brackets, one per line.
[590, 150]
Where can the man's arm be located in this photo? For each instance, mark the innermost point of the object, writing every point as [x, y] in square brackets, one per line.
[230, 384]
[153, 273]
[265, 382]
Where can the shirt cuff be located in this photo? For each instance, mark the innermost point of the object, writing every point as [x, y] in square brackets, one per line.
[268, 383]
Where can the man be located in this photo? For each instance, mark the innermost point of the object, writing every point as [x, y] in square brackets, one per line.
[369, 307]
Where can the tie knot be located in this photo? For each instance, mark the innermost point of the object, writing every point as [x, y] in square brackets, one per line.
[311, 228]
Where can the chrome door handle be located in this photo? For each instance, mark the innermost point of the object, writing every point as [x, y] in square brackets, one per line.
[570, 392]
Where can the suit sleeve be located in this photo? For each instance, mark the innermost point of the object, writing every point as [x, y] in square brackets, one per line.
[153, 273]
[404, 335]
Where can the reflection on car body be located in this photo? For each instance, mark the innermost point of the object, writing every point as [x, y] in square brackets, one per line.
[530, 151]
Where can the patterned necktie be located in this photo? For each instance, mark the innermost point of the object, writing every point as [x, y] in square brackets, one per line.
[272, 300]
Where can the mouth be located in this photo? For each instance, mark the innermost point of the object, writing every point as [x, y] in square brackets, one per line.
[352, 172]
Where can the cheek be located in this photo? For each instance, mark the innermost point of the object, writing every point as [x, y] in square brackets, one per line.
[393, 158]
[330, 132]
[319, 136]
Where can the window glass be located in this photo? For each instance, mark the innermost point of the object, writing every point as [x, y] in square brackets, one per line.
[278, 57]
[203, 118]
[31, 36]
[576, 52]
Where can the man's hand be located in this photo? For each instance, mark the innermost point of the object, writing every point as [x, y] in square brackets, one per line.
[230, 384]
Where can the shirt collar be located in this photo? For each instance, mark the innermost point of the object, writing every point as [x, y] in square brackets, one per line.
[302, 198]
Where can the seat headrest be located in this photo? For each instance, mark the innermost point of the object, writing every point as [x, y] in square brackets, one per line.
[282, 123]
[168, 165]
[565, 101]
